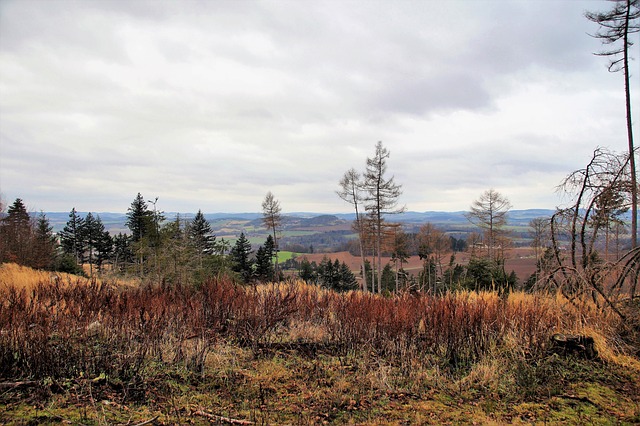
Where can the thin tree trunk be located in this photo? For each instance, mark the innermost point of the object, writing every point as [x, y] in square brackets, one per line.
[632, 155]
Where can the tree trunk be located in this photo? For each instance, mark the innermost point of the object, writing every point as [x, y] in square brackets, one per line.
[632, 155]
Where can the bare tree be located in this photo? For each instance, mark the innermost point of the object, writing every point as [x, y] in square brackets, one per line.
[489, 212]
[381, 197]
[539, 235]
[272, 219]
[351, 192]
[432, 246]
[617, 25]
[540, 239]
[579, 269]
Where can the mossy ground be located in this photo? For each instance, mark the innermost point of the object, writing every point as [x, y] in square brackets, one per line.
[287, 387]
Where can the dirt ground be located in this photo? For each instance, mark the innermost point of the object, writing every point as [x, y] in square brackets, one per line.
[520, 260]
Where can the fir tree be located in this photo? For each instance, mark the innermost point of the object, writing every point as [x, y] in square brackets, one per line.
[264, 256]
[15, 234]
[240, 257]
[122, 253]
[139, 219]
[201, 236]
[347, 279]
[71, 237]
[45, 243]
[307, 271]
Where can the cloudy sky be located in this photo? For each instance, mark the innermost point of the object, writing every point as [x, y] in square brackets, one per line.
[210, 104]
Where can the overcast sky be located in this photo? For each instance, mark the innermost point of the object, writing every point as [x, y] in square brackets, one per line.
[210, 104]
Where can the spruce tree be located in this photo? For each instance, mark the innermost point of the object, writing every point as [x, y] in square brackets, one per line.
[44, 243]
[307, 271]
[347, 280]
[98, 241]
[90, 236]
[71, 237]
[264, 256]
[201, 236]
[122, 254]
[240, 257]
[15, 234]
[139, 219]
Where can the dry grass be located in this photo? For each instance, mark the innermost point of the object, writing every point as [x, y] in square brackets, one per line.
[23, 277]
[291, 353]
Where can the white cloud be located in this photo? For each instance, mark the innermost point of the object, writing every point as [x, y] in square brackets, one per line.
[211, 104]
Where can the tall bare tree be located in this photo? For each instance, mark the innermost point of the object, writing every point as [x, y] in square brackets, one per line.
[489, 212]
[579, 268]
[272, 220]
[351, 192]
[381, 199]
[617, 25]
[539, 235]
[433, 244]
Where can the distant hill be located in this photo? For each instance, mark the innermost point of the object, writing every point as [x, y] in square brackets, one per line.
[115, 222]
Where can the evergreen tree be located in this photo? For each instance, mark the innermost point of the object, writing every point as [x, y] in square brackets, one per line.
[347, 279]
[122, 254]
[139, 219]
[16, 233]
[201, 236]
[102, 245]
[264, 256]
[326, 273]
[240, 257]
[335, 275]
[90, 234]
[388, 279]
[71, 237]
[45, 244]
[264, 269]
[307, 271]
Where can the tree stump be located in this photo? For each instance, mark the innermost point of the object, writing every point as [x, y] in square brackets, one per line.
[565, 345]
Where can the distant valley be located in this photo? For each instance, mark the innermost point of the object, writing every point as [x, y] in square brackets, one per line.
[322, 232]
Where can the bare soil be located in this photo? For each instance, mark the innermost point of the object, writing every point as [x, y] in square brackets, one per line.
[520, 260]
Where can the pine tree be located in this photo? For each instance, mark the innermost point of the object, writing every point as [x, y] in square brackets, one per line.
[71, 237]
[104, 248]
[264, 255]
[16, 233]
[347, 279]
[122, 254]
[201, 236]
[240, 257]
[307, 271]
[44, 243]
[139, 219]
[90, 234]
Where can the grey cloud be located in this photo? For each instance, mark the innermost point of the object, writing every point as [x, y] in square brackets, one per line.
[223, 100]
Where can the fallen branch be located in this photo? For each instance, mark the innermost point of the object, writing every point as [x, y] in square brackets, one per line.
[578, 398]
[11, 385]
[222, 418]
[146, 422]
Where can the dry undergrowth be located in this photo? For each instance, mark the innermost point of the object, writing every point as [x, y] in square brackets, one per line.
[291, 353]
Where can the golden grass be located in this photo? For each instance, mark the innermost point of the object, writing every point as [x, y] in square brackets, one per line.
[23, 277]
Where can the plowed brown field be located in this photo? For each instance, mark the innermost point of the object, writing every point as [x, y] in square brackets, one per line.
[520, 260]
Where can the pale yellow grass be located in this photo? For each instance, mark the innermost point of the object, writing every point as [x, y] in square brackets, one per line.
[23, 277]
